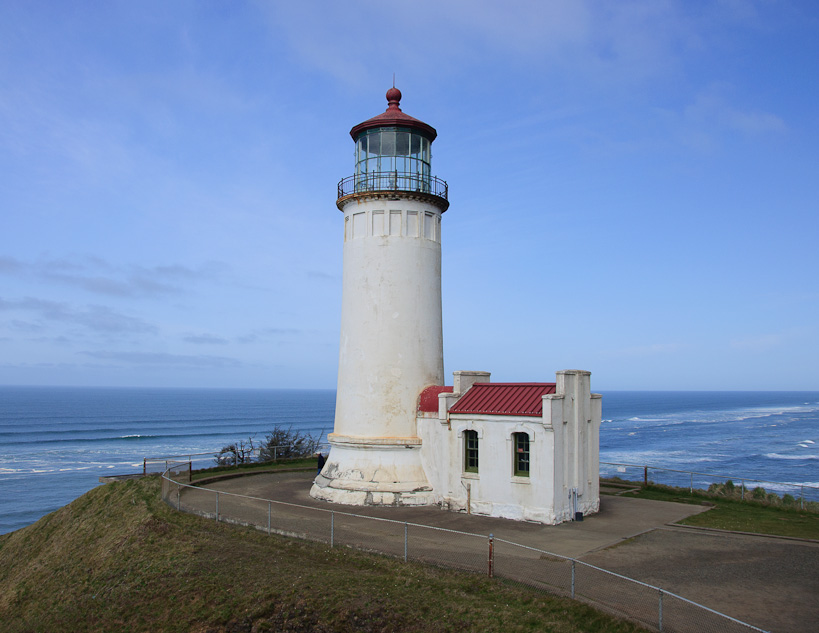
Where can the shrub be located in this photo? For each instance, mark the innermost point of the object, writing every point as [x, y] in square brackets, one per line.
[280, 443]
[759, 494]
[240, 452]
[283, 443]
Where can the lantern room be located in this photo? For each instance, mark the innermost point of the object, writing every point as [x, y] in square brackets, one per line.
[392, 149]
[393, 152]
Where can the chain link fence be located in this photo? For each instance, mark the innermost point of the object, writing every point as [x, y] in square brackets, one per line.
[539, 569]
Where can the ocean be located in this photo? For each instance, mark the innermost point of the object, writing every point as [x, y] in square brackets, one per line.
[55, 442]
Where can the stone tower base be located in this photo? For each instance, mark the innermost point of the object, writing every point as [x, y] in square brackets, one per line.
[373, 471]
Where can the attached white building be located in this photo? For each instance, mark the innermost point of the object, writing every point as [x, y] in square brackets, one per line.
[525, 451]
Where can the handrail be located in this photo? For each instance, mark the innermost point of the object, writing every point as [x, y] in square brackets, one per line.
[376, 181]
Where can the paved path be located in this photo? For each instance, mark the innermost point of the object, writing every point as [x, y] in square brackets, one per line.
[769, 582]
[620, 517]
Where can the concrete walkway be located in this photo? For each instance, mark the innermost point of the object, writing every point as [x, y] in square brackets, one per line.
[619, 518]
[766, 581]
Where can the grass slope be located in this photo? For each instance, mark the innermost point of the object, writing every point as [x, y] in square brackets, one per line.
[118, 559]
[736, 515]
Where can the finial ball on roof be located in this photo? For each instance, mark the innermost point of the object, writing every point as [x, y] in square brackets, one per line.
[393, 96]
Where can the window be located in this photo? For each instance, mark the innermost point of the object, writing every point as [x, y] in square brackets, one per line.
[471, 451]
[520, 441]
[392, 150]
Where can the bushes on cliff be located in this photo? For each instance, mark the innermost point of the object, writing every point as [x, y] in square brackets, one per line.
[280, 443]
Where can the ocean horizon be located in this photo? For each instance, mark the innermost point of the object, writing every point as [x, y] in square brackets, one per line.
[55, 442]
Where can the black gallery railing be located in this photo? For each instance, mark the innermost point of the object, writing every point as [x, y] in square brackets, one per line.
[392, 181]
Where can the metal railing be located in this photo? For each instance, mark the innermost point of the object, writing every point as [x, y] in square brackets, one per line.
[161, 464]
[745, 486]
[535, 568]
[393, 181]
[211, 458]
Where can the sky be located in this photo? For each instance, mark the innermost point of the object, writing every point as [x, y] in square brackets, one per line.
[634, 187]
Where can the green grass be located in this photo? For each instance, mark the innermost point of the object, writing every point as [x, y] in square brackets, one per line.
[736, 515]
[301, 462]
[118, 559]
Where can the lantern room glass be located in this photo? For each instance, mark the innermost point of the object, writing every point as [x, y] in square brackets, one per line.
[398, 156]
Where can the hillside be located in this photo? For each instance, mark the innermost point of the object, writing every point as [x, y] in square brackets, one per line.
[118, 559]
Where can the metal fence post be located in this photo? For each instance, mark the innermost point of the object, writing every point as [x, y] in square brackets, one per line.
[691, 488]
[491, 556]
[802, 497]
[645, 475]
[743, 490]
[269, 506]
[217, 506]
[332, 527]
[573, 561]
[405, 541]
[178, 504]
[145, 466]
[660, 613]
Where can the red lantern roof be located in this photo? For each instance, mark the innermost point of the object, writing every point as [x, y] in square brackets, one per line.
[504, 398]
[394, 116]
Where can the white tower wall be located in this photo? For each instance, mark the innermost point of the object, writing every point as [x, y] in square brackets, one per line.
[391, 349]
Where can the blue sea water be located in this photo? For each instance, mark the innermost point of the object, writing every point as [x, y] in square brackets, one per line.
[56, 442]
[768, 436]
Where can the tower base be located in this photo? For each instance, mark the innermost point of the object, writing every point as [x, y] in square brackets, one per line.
[383, 471]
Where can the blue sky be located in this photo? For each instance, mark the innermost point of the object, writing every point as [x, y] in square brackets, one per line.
[633, 187]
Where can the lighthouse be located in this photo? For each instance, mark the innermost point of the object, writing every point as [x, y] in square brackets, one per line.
[391, 345]
[402, 437]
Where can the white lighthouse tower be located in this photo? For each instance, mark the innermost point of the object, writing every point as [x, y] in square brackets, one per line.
[391, 332]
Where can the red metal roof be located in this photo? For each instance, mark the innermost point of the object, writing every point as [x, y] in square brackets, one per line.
[394, 116]
[428, 402]
[504, 398]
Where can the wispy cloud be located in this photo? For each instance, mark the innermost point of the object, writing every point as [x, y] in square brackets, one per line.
[97, 276]
[205, 339]
[162, 359]
[612, 41]
[317, 274]
[93, 317]
[712, 108]
[268, 334]
[767, 342]
[27, 327]
[10, 266]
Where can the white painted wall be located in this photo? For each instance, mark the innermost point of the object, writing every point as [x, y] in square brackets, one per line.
[391, 349]
[391, 332]
[564, 455]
